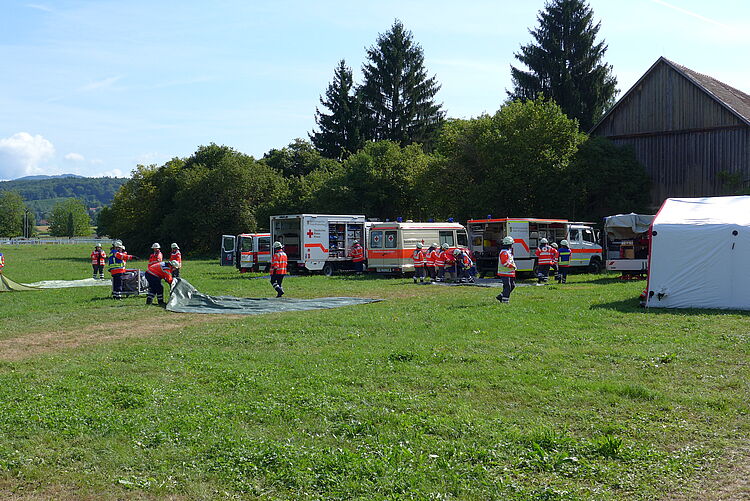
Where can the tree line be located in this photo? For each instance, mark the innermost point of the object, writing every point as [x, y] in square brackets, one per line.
[385, 148]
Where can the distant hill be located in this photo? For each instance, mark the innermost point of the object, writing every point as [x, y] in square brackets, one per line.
[42, 193]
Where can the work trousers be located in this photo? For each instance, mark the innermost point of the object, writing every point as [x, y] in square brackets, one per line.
[155, 288]
[431, 272]
[419, 273]
[542, 272]
[117, 285]
[176, 273]
[98, 270]
[359, 266]
[449, 272]
[509, 283]
[276, 280]
[562, 274]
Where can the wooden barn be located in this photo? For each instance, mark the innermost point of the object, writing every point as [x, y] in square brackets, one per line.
[690, 131]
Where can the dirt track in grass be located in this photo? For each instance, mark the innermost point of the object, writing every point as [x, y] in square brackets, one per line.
[728, 480]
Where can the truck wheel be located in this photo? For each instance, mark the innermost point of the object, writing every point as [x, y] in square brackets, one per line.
[595, 266]
[328, 269]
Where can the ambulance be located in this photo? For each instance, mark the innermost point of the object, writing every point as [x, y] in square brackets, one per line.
[319, 242]
[247, 251]
[485, 236]
[391, 244]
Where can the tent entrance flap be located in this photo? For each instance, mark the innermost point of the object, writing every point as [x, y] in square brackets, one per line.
[185, 298]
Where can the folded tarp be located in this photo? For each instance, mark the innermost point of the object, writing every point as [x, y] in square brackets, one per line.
[184, 298]
[62, 284]
[8, 285]
[626, 226]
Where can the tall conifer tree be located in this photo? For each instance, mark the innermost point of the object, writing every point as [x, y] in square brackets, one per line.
[397, 96]
[339, 133]
[566, 63]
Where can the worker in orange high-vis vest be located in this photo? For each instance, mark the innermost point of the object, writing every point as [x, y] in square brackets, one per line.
[2, 263]
[358, 257]
[544, 254]
[155, 273]
[419, 263]
[430, 257]
[555, 258]
[117, 261]
[449, 272]
[278, 268]
[98, 258]
[156, 255]
[440, 263]
[506, 269]
[176, 255]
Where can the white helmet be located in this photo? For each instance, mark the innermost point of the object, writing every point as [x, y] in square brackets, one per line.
[419, 245]
[117, 243]
[355, 242]
[544, 241]
[444, 246]
[278, 245]
[435, 245]
[508, 240]
[156, 246]
[174, 264]
[554, 245]
[175, 246]
[456, 252]
[564, 243]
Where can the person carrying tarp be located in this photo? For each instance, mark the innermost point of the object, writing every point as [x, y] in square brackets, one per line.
[117, 260]
[155, 273]
[175, 255]
[98, 258]
[544, 255]
[156, 255]
[358, 257]
[563, 264]
[506, 269]
[278, 268]
[419, 262]
[430, 258]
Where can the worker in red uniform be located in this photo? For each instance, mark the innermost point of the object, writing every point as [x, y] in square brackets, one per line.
[2, 263]
[544, 255]
[440, 264]
[278, 268]
[156, 255]
[429, 259]
[175, 255]
[117, 260]
[358, 257]
[98, 258]
[450, 263]
[156, 272]
[506, 269]
[419, 263]
[555, 258]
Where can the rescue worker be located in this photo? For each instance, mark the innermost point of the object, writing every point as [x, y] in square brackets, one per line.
[156, 255]
[98, 258]
[430, 262]
[358, 257]
[278, 268]
[419, 263]
[506, 269]
[2, 263]
[156, 272]
[555, 257]
[544, 260]
[117, 260]
[563, 265]
[175, 255]
[460, 265]
[440, 263]
[450, 263]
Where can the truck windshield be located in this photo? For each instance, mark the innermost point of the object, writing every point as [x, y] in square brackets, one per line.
[588, 235]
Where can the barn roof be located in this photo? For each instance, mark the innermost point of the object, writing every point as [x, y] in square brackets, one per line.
[733, 99]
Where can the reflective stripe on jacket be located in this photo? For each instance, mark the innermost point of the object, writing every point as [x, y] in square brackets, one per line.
[450, 259]
[161, 270]
[555, 255]
[176, 256]
[439, 258]
[430, 258]
[418, 258]
[98, 257]
[117, 262]
[564, 254]
[544, 254]
[155, 257]
[358, 253]
[506, 265]
[278, 263]
[2, 261]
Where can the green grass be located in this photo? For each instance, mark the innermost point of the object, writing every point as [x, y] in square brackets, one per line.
[435, 393]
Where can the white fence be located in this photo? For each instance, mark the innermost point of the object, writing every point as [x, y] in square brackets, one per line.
[54, 241]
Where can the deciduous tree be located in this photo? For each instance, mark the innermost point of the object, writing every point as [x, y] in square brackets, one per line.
[70, 219]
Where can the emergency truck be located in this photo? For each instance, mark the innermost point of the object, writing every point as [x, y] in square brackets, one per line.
[485, 236]
[247, 251]
[319, 242]
[626, 244]
[390, 245]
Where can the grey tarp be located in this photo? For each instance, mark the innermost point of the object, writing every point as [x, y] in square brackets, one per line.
[61, 284]
[479, 282]
[627, 226]
[185, 298]
[8, 285]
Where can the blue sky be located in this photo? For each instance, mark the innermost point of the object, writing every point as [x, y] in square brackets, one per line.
[97, 87]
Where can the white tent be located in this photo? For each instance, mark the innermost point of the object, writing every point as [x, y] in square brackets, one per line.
[700, 254]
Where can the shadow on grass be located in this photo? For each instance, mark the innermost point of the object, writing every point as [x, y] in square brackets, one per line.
[633, 306]
[85, 259]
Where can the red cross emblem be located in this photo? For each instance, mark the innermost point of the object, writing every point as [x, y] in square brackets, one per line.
[310, 233]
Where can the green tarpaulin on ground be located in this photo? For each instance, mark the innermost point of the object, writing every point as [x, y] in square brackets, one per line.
[184, 298]
[8, 285]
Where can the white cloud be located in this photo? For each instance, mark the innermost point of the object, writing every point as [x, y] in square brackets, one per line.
[39, 7]
[23, 154]
[100, 84]
[75, 157]
[110, 173]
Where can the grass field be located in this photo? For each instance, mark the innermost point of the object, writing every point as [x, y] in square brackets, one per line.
[570, 392]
